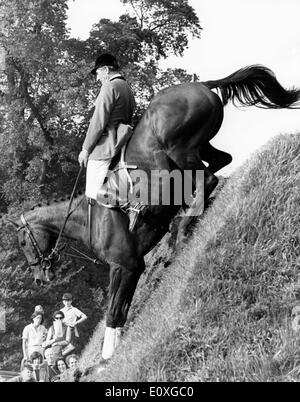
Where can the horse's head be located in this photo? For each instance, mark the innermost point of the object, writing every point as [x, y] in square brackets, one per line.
[37, 241]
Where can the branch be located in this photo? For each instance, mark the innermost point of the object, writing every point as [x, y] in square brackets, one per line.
[139, 17]
[30, 102]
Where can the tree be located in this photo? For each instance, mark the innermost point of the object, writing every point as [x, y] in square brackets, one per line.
[164, 26]
[39, 83]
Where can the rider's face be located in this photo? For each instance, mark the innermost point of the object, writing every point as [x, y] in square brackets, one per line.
[102, 74]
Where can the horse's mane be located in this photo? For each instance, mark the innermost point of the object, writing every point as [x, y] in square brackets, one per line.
[51, 202]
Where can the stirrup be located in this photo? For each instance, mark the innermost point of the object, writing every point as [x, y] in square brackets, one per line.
[91, 201]
[133, 213]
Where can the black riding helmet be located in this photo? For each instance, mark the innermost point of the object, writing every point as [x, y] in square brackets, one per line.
[105, 59]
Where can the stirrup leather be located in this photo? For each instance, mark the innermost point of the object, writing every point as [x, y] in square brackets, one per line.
[91, 203]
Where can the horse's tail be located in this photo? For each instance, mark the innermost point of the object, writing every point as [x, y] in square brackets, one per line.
[255, 86]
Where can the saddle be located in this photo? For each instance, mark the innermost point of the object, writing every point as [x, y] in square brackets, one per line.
[116, 190]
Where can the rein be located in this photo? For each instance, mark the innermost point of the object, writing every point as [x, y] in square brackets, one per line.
[55, 249]
[46, 262]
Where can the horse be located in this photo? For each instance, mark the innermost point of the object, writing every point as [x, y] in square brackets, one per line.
[174, 133]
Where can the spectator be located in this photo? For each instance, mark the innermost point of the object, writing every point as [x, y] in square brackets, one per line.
[39, 309]
[59, 335]
[39, 368]
[61, 367]
[51, 371]
[26, 375]
[72, 361]
[73, 317]
[73, 371]
[34, 335]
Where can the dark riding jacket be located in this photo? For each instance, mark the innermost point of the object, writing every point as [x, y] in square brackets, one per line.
[114, 105]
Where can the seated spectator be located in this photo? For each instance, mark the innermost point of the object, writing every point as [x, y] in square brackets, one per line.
[34, 335]
[61, 367]
[73, 317]
[25, 376]
[59, 335]
[39, 368]
[72, 361]
[51, 371]
[73, 371]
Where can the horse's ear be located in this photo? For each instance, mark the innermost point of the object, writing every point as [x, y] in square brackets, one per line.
[16, 225]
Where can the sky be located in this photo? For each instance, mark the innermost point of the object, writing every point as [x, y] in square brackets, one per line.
[236, 33]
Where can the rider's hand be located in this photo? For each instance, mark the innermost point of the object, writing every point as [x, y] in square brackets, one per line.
[83, 157]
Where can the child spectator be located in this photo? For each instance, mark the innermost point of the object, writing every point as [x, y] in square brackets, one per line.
[39, 369]
[73, 317]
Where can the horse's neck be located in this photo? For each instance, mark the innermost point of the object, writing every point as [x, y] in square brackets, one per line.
[52, 218]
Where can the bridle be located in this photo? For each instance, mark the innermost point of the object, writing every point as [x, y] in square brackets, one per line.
[46, 262]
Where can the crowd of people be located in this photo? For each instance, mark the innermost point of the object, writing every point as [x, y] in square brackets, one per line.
[48, 355]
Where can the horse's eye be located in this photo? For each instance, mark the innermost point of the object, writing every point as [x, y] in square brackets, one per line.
[23, 242]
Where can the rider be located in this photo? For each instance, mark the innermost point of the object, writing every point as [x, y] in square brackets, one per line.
[114, 105]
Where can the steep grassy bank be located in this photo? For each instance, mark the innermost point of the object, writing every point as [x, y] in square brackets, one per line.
[221, 310]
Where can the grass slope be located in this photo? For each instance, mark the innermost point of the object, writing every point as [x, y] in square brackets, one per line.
[220, 310]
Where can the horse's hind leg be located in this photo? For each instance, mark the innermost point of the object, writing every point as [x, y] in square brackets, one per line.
[215, 158]
[192, 161]
[123, 282]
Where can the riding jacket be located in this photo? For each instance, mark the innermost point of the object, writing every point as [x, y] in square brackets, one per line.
[115, 104]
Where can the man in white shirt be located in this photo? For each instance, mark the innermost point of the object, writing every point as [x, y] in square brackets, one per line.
[73, 317]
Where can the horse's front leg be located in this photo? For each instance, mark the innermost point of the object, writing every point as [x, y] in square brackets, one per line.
[123, 282]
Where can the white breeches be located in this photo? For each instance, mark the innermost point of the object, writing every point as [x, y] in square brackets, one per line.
[96, 172]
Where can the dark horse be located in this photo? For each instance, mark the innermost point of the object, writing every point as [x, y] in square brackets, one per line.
[174, 133]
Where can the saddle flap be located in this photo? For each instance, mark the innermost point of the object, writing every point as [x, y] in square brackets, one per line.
[124, 132]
